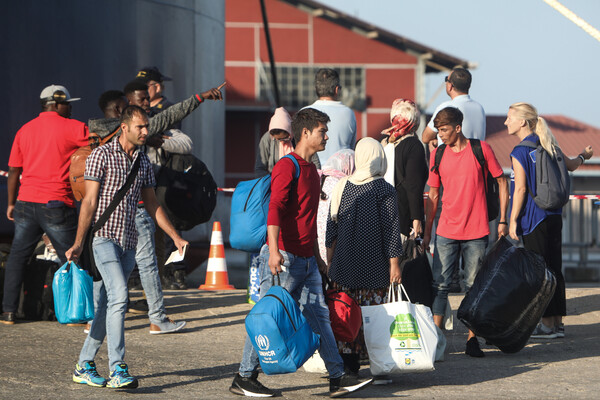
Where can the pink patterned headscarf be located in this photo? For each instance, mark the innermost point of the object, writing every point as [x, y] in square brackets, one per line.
[405, 119]
[340, 164]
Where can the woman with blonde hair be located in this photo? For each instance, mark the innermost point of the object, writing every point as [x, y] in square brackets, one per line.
[539, 228]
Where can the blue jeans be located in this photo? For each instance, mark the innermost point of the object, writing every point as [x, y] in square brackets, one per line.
[31, 221]
[145, 257]
[446, 261]
[110, 299]
[302, 279]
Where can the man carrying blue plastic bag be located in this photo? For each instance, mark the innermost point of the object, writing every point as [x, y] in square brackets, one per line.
[291, 252]
[106, 171]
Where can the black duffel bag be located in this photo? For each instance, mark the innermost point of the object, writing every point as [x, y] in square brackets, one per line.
[509, 296]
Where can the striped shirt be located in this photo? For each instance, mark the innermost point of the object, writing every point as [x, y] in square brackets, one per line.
[110, 166]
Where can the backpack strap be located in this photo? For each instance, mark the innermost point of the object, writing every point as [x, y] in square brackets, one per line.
[296, 165]
[527, 143]
[439, 153]
[478, 152]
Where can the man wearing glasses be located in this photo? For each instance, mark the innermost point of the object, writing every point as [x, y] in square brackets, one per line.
[458, 83]
[44, 202]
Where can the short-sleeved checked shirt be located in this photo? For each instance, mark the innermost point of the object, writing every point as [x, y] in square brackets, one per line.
[110, 166]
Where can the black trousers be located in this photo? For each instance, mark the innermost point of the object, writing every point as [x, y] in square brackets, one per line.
[546, 240]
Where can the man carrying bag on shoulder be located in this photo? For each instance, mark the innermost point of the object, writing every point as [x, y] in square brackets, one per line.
[107, 171]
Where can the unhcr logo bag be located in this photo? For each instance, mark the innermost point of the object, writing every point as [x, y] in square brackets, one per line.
[279, 333]
[400, 336]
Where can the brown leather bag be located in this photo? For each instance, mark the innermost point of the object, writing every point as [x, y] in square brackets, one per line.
[77, 168]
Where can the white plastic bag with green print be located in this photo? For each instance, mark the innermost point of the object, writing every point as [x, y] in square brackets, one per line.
[400, 336]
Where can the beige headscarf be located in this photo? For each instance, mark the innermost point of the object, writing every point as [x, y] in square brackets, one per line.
[371, 164]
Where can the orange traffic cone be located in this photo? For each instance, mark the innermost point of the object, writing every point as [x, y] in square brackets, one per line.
[216, 269]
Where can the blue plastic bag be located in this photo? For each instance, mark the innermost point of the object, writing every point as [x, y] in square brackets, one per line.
[73, 290]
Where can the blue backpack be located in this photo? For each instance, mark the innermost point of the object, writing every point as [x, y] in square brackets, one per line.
[279, 333]
[249, 210]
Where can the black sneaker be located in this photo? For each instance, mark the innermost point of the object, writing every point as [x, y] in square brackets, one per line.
[345, 384]
[250, 387]
[7, 318]
[473, 349]
[179, 279]
[138, 307]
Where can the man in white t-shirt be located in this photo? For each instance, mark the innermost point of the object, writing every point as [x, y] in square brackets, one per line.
[341, 128]
[458, 83]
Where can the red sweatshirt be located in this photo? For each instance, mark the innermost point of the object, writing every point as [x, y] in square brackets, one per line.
[294, 205]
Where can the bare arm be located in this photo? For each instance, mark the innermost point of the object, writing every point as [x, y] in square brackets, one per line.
[89, 205]
[275, 257]
[503, 193]
[320, 262]
[12, 187]
[432, 205]
[330, 251]
[574, 163]
[519, 197]
[429, 135]
[158, 214]
[395, 270]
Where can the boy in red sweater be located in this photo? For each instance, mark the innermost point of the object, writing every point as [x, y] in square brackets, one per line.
[291, 251]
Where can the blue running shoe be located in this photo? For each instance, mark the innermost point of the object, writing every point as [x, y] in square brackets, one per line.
[88, 375]
[120, 378]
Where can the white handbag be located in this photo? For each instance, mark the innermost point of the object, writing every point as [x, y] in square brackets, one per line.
[400, 336]
[315, 364]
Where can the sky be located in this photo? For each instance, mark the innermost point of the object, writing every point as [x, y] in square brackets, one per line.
[525, 50]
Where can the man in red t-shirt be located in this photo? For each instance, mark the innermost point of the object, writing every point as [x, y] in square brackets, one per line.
[463, 226]
[292, 253]
[41, 154]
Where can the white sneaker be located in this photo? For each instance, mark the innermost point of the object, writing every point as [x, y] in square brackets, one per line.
[541, 331]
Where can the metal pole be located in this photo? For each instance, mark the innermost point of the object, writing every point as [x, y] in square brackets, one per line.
[270, 49]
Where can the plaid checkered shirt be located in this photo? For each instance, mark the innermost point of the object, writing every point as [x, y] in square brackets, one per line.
[110, 166]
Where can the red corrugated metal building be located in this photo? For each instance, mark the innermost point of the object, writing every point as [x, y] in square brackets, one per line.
[375, 67]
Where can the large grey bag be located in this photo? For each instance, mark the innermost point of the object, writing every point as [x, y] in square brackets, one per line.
[552, 181]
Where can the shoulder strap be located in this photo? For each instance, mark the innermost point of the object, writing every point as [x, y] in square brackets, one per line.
[478, 152]
[527, 143]
[438, 158]
[296, 165]
[119, 196]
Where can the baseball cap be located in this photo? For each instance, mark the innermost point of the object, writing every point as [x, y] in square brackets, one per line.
[147, 74]
[56, 93]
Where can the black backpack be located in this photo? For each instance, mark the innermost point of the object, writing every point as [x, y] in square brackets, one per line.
[491, 184]
[186, 190]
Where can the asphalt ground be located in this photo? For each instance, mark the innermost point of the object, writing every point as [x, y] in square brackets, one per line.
[37, 358]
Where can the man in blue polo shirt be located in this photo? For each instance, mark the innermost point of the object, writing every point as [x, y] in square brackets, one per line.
[458, 83]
